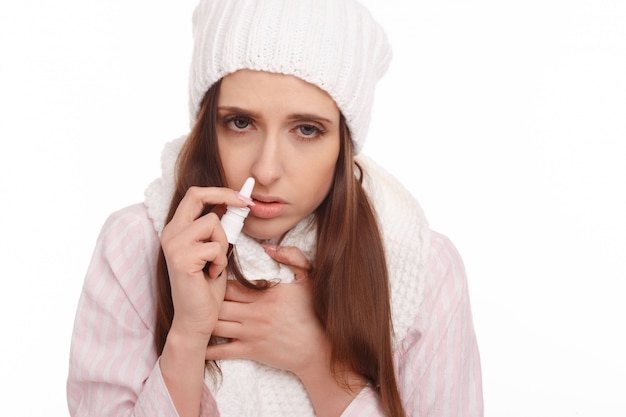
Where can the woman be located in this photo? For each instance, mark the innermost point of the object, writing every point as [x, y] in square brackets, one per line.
[338, 300]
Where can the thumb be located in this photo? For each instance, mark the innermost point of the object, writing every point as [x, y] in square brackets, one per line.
[290, 256]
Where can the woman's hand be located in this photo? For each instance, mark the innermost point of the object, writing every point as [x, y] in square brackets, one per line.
[190, 242]
[279, 328]
[276, 327]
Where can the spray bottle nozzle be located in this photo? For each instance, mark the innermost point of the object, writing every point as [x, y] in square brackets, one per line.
[232, 220]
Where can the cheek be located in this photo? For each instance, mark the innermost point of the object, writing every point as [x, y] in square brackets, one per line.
[322, 170]
[318, 180]
[235, 162]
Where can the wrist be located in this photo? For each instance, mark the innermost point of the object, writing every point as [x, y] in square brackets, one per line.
[190, 333]
[186, 342]
[182, 358]
[182, 367]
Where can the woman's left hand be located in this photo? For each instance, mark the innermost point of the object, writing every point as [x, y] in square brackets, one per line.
[277, 327]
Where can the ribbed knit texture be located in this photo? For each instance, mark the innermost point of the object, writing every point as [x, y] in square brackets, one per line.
[406, 237]
[404, 229]
[334, 44]
[114, 369]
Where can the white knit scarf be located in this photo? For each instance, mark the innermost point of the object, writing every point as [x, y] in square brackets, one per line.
[251, 389]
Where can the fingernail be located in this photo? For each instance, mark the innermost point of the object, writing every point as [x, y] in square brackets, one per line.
[270, 247]
[245, 199]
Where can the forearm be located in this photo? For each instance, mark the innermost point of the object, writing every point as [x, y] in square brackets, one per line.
[114, 370]
[182, 366]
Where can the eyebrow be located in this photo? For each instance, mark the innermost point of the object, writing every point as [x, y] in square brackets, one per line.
[309, 116]
[295, 116]
[234, 109]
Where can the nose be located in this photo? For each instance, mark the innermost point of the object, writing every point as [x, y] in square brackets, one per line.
[267, 167]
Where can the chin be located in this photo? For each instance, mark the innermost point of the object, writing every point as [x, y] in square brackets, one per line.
[266, 229]
[263, 233]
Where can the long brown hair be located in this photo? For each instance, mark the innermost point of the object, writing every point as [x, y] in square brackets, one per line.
[350, 280]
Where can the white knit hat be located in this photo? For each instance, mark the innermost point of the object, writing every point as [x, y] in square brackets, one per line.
[334, 44]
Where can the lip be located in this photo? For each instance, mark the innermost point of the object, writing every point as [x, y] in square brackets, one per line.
[267, 207]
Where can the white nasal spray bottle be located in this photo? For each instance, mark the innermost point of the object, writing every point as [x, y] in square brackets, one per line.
[232, 220]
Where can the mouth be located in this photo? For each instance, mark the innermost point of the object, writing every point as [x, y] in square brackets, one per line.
[267, 207]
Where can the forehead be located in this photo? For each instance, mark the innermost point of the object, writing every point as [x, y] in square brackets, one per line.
[259, 90]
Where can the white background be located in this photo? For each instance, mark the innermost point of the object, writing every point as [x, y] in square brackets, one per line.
[506, 119]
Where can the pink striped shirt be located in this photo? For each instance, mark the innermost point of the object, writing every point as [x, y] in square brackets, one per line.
[114, 368]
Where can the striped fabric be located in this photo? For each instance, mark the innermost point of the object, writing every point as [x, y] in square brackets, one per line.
[114, 369]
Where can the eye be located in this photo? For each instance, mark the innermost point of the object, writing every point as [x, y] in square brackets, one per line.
[308, 131]
[238, 122]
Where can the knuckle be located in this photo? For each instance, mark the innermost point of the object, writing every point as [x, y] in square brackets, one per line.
[176, 260]
[193, 192]
[212, 217]
[166, 236]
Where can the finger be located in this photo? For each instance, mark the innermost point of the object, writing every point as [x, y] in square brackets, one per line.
[231, 350]
[290, 256]
[204, 229]
[200, 243]
[233, 311]
[228, 329]
[197, 198]
[216, 265]
[195, 257]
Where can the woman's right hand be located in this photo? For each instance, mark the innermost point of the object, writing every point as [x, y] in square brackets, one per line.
[189, 242]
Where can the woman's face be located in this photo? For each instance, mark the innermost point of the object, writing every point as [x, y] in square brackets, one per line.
[284, 132]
